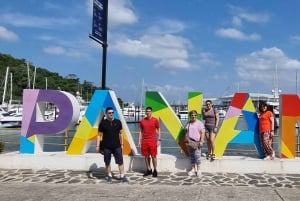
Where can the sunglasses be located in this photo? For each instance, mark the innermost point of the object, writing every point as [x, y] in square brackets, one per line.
[193, 115]
[110, 112]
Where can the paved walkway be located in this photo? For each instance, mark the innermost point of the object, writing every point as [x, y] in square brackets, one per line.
[20, 184]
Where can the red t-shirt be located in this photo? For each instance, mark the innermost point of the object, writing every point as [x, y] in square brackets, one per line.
[265, 124]
[148, 128]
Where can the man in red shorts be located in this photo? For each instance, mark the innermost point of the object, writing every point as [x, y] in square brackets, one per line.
[149, 140]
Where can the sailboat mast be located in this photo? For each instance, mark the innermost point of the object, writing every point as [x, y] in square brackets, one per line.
[11, 88]
[5, 85]
[34, 74]
[28, 75]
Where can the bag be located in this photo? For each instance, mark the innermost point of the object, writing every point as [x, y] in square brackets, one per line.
[192, 143]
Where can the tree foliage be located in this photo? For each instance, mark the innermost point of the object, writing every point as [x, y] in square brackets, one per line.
[44, 79]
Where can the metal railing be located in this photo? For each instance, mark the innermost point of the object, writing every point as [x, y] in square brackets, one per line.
[61, 142]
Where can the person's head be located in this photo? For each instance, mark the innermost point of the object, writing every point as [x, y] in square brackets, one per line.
[193, 115]
[148, 111]
[208, 103]
[263, 106]
[109, 113]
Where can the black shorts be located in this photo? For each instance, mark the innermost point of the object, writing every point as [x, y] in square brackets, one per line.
[117, 153]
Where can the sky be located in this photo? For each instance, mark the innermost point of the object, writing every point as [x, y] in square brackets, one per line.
[216, 47]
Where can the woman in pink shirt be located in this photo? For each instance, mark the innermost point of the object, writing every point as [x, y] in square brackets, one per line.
[195, 131]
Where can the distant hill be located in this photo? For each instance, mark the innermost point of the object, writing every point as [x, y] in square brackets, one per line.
[18, 69]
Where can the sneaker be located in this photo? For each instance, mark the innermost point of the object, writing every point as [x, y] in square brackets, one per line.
[267, 158]
[273, 155]
[198, 173]
[149, 172]
[109, 179]
[191, 173]
[124, 180]
[154, 174]
[207, 156]
[212, 158]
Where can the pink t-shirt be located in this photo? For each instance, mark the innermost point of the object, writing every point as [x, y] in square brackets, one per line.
[194, 129]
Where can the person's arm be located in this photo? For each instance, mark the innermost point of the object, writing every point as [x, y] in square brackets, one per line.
[202, 135]
[98, 139]
[121, 138]
[140, 137]
[217, 120]
[158, 135]
[272, 125]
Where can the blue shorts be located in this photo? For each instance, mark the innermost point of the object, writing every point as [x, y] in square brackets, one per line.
[209, 129]
[117, 153]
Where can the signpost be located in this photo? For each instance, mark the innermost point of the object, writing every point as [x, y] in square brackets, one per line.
[99, 31]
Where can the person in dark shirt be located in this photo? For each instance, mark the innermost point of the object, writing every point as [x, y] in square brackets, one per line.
[111, 137]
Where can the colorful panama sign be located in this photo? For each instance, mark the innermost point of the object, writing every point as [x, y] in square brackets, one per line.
[35, 128]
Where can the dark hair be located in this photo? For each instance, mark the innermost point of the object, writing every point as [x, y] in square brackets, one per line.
[261, 105]
[108, 108]
[208, 101]
[149, 108]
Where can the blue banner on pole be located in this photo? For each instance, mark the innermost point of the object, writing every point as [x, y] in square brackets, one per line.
[99, 29]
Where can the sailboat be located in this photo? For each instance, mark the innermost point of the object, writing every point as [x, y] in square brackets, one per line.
[9, 119]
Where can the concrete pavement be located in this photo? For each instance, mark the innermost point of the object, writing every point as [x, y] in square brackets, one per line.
[21, 184]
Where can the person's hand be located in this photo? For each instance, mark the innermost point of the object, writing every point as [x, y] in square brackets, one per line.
[201, 144]
[97, 149]
[272, 133]
[215, 129]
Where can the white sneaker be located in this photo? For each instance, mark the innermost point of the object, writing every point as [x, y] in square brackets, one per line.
[199, 173]
[267, 158]
[191, 173]
[273, 155]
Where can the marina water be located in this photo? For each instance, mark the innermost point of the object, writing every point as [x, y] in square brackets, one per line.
[60, 142]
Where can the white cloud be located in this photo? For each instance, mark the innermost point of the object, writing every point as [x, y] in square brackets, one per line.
[236, 34]
[166, 26]
[245, 15]
[58, 50]
[119, 12]
[236, 21]
[55, 50]
[173, 64]
[173, 94]
[260, 66]
[7, 35]
[21, 20]
[295, 38]
[170, 51]
[207, 60]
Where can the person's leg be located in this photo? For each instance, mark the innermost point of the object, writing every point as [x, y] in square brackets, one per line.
[208, 153]
[193, 162]
[198, 162]
[212, 145]
[146, 153]
[147, 162]
[154, 162]
[107, 159]
[153, 154]
[119, 160]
